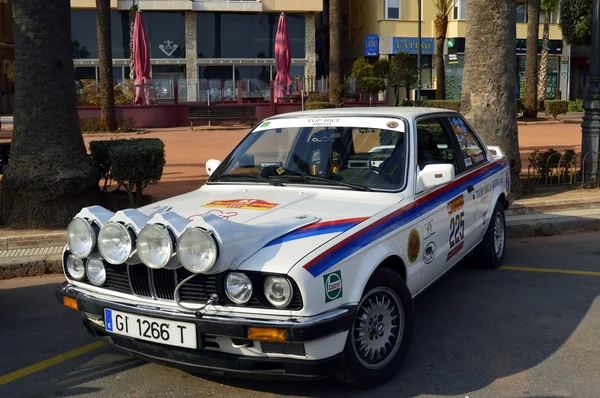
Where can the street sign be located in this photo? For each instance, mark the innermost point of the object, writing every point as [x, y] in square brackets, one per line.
[371, 45]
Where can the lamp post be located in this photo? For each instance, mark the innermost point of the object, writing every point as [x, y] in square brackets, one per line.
[590, 128]
[419, 4]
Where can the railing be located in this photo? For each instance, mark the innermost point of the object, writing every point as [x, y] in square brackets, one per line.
[569, 168]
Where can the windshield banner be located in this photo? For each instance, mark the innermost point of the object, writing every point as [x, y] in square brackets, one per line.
[386, 123]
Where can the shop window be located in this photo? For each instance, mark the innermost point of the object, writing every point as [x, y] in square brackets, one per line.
[246, 35]
[460, 10]
[85, 40]
[521, 11]
[392, 9]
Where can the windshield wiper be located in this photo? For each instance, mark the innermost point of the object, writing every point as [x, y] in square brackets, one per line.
[306, 178]
[251, 176]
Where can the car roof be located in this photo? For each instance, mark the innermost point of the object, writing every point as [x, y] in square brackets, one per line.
[408, 112]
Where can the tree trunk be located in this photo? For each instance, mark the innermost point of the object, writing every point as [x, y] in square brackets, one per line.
[441, 26]
[489, 90]
[335, 44]
[533, 25]
[49, 177]
[544, 60]
[107, 95]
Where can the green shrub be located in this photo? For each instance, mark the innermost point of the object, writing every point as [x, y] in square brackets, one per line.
[126, 124]
[361, 68]
[521, 105]
[316, 97]
[552, 163]
[317, 105]
[556, 107]
[133, 164]
[94, 125]
[451, 105]
[576, 106]
[371, 85]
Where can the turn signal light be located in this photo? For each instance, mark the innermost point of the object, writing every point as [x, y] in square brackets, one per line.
[266, 334]
[70, 302]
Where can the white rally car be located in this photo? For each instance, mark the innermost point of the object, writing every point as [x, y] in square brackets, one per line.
[302, 253]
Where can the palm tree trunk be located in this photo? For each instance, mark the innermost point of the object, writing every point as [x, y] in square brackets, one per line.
[489, 90]
[50, 176]
[531, 73]
[335, 44]
[441, 26]
[107, 95]
[544, 60]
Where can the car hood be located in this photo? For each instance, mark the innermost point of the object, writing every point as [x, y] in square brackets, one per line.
[277, 225]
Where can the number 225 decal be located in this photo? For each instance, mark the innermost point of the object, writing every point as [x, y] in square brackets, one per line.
[457, 229]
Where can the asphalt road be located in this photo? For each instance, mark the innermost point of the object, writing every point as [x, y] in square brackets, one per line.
[479, 333]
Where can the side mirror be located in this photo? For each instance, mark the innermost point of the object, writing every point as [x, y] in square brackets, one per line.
[211, 166]
[434, 175]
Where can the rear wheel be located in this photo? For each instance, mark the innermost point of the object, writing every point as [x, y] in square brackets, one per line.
[490, 252]
[381, 333]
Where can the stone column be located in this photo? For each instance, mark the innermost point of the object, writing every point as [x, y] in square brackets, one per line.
[310, 47]
[191, 54]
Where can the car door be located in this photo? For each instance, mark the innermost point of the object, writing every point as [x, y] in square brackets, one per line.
[445, 214]
[474, 160]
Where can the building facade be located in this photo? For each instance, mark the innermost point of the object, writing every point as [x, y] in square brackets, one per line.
[7, 55]
[392, 27]
[207, 46]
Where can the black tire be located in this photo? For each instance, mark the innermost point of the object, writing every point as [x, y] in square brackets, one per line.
[486, 254]
[353, 371]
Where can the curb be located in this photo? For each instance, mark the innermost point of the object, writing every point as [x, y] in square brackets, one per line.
[31, 266]
[541, 206]
[33, 241]
[558, 226]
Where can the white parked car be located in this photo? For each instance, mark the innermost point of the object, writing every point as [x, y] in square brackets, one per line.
[303, 252]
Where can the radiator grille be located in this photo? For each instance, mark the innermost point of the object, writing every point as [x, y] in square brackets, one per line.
[117, 278]
[272, 347]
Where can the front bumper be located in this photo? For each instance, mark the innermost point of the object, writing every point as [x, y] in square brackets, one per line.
[209, 361]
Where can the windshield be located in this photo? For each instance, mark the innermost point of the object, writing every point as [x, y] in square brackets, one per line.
[348, 153]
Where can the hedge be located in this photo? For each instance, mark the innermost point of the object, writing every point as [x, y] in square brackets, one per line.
[451, 105]
[133, 163]
[317, 105]
[556, 107]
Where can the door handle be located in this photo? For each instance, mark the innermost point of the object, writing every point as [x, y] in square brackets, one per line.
[470, 189]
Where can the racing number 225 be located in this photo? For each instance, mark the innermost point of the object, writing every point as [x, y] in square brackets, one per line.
[457, 229]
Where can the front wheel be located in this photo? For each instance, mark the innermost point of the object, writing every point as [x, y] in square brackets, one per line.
[381, 333]
[490, 252]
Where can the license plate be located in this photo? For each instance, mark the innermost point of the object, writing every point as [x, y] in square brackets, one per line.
[180, 334]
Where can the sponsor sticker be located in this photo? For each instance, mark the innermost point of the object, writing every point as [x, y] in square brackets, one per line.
[280, 170]
[263, 165]
[468, 162]
[455, 251]
[333, 286]
[497, 182]
[484, 190]
[414, 245]
[314, 169]
[265, 124]
[393, 124]
[507, 182]
[429, 253]
[335, 168]
[225, 215]
[429, 231]
[244, 204]
[456, 204]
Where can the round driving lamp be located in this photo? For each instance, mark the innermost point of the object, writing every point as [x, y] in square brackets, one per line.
[74, 267]
[238, 288]
[278, 291]
[154, 246]
[95, 271]
[115, 243]
[197, 250]
[81, 237]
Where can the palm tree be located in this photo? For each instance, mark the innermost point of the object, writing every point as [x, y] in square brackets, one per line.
[531, 71]
[546, 8]
[49, 177]
[108, 116]
[489, 86]
[335, 49]
[443, 8]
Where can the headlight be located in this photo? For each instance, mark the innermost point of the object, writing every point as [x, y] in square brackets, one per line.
[196, 250]
[238, 287]
[75, 268]
[278, 291]
[154, 246]
[115, 243]
[81, 237]
[95, 271]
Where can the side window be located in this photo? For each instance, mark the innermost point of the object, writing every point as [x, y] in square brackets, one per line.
[472, 151]
[433, 145]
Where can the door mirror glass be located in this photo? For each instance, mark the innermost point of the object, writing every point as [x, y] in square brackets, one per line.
[211, 166]
[434, 175]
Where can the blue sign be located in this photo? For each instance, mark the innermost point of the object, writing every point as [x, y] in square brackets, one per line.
[371, 45]
[411, 45]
